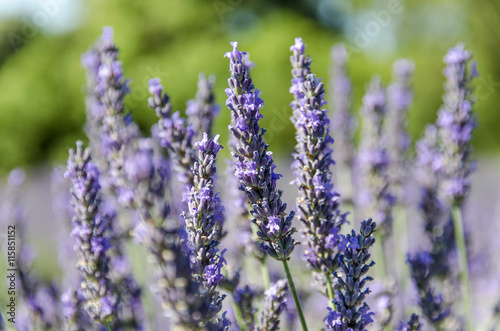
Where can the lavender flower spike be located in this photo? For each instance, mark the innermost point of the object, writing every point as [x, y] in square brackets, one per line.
[275, 304]
[110, 128]
[202, 110]
[374, 159]
[91, 241]
[343, 123]
[456, 122]
[317, 204]
[175, 134]
[204, 221]
[254, 163]
[352, 312]
[2, 324]
[412, 325]
[399, 99]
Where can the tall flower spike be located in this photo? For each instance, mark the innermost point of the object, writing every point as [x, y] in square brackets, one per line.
[254, 163]
[343, 122]
[110, 128]
[399, 99]
[38, 298]
[90, 231]
[373, 159]
[202, 110]
[204, 221]
[412, 325]
[351, 310]
[432, 304]
[456, 122]
[274, 304]
[175, 133]
[317, 204]
[74, 317]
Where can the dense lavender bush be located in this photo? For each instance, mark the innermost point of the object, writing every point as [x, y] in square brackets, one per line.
[161, 192]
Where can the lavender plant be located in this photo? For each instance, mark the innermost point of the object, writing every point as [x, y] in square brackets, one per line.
[317, 204]
[412, 325]
[204, 221]
[275, 304]
[432, 304]
[39, 298]
[174, 132]
[255, 166]
[91, 233]
[187, 269]
[350, 309]
[343, 123]
[202, 110]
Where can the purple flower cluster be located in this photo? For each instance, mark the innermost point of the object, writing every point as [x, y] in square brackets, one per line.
[91, 233]
[204, 220]
[455, 125]
[412, 325]
[373, 159]
[139, 199]
[274, 304]
[110, 129]
[202, 110]
[174, 132]
[399, 99]
[351, 310]
[317, 204]
[431, 303]
[254, 163]
[343, 122]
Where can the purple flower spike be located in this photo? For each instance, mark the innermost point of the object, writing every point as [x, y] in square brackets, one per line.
[456, 122]
[412, 325]
[343, 122]
[275, 304]
[373, 159]
[254, 163]
[352, 313]
[92, 243]
[175, 133]
[399, 99]
[317, 204]
[202, 110]
[109, 127]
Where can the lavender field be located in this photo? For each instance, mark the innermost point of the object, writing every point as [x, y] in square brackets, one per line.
[375, 233]
[252, 166]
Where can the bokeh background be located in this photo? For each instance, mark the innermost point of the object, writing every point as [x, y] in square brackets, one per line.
[41, 41]
[42, 110]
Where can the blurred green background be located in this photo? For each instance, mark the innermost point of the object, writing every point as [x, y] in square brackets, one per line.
[41, 42]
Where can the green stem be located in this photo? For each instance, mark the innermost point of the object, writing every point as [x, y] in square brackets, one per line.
[464, 269]
[108, 327]
[265, 274]
[401, 244]
[329, 289]
[295, 296]
[239, 316]
[379, 253]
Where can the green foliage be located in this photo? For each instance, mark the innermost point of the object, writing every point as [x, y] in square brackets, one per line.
[42, 82]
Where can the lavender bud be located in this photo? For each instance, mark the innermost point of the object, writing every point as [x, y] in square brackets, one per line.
[456, 122]
[343, 122]
[254, 163]
[432, 304]
[373, 159]
[90, 231]
[274, 304]
[202, 110]
[351, 310]
[399, 99]
[317, 204]
[412, 325]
